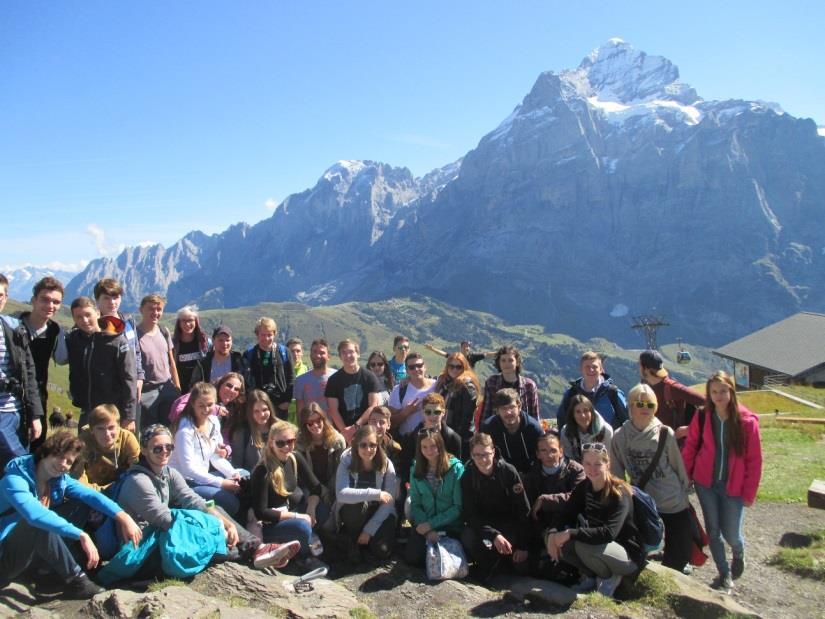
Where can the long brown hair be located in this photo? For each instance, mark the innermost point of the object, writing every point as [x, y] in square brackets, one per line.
[255, 434]
[379, 462]
[196, 392]
[467, 375]
[304, 437]
[421, 463]
[274, 466]
[734, 438]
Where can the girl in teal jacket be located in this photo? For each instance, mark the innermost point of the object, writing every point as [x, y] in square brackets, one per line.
[435, 494]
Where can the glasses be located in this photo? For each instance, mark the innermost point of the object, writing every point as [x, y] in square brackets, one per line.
[428, 432]
[281, 443]
[165, 448]
[232, 387]
[455, 366]
[416, 366]
[484, 455]
[315, 422]
[640, 404]
[368, 446]
[432, 412]
[403, 347]
[376, 364]
[594, 447]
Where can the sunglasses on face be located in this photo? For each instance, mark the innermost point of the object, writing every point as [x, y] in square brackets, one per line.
[594, 447]
[432, 412]
[640, 404]
[232, 387]
[165, 448]
[403, 347]
[455, 366]
[377, 364]
[281, 443]
[428, 432]
[415, 366]
[315, 422]
[368, 445]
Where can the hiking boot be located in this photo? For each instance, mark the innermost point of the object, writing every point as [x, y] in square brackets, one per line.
[81, 587]
[354, 553]
[585, 585]
[607, 586]
[275, 555]
[737, 567]
[722, 583]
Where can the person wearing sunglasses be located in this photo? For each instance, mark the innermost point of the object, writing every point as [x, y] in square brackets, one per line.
[514, 432]
[584, 425]
[432, 421]
[459, 387]
[151, 489]
[435, 494]
[231, 392]
[634, 451]
[406, 396]
[321, 445]
[598, 535]
[199, 450]
[495, 510]
[677, 403]
[366, 489]
[400, 348]
[108, 449]
[286, 494]
[723, 457]
[377, 363]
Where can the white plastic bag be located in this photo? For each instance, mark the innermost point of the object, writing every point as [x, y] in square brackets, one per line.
[446, 559]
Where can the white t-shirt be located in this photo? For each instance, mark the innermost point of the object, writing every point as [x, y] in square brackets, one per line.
[410, 423]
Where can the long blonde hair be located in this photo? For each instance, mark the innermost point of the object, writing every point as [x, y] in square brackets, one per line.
[274, 466]
[613, 485]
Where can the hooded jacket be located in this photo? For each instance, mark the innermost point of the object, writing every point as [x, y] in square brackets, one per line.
[518, 448]
[98, 469]
[440, 507]
[21, 369]
[572, 438]
[607, 399]
[347, 492]
[632, 451]
[102, 371]
[19, 500]
[744, 472]
[554, 490]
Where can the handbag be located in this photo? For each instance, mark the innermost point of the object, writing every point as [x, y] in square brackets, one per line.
[446, 559]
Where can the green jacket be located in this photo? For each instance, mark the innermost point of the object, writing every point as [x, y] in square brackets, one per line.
[442, 507]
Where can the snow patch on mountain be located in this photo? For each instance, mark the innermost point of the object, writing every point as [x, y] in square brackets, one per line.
[821, 131]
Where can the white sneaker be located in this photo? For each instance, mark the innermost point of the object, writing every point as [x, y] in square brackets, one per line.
[607, 586]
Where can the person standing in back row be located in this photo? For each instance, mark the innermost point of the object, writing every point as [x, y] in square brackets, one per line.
[161, 385]
[509, 364]
[270, 367]
[598, 387]
[351, 393]
[677, 403]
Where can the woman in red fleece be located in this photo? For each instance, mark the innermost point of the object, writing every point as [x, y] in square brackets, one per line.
[723, 456]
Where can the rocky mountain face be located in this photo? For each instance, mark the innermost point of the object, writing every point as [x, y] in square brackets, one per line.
[612, 190]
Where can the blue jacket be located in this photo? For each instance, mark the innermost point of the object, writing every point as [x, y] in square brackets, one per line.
[18, 500]
[608, 399]
[442, 507]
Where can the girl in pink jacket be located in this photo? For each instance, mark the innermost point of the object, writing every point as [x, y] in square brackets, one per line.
[723, 456]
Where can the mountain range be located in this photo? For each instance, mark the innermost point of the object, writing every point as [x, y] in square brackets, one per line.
[612, 190]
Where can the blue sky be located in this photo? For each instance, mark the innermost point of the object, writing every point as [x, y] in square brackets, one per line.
[123, 123]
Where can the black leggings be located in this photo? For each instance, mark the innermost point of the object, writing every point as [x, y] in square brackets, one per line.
[355, 516]
[678, 539]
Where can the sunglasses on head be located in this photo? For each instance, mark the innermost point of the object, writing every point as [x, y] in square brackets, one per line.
[427, 432]
[640, 404]
[594, 447]
[281, 443]
[165, 448]
[415, 366]
[432, 412]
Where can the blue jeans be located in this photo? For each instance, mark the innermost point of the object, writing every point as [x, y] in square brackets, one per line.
[10, 445]
[724, 516]
[223, 498]
[287, 531]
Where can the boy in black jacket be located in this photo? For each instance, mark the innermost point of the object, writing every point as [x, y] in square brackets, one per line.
[495, 509]
[101, 366]
[514, 432]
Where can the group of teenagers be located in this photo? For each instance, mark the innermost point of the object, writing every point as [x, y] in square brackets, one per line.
[191, 452]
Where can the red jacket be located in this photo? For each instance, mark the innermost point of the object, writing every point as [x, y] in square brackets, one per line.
[744, 471]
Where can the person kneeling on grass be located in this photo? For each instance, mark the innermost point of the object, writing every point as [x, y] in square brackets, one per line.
[607, 547]
[366, 489]
[152, 488]
[32, 492]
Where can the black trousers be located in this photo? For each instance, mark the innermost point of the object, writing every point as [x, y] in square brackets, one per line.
[678, 539]
[355, 516]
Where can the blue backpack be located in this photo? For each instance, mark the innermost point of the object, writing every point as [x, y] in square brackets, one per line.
[647, 520]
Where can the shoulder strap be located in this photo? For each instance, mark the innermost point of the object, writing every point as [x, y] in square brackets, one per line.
[613, 395]
[656, 457]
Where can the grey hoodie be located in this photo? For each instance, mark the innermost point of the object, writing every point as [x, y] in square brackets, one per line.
[632, 450]
[147, 497]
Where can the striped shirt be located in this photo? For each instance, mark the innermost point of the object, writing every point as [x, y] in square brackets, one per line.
[8, 402]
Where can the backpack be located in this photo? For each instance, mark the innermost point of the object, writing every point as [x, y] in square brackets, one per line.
[647, 520]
